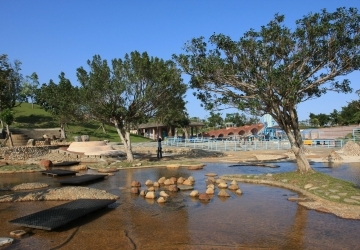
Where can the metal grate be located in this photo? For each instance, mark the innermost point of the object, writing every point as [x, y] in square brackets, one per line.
[78, 180]
[58, 216]
[58, 172]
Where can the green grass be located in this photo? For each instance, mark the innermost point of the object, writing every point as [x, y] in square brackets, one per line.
[324, 185]
[32, 118]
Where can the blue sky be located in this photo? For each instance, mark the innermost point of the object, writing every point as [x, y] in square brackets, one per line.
[53, 36]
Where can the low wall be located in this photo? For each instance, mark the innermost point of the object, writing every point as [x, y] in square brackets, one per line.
[36, 133]
[23, 153]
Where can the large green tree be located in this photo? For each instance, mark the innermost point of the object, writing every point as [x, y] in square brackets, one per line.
[61, 100]
[10, 83]
[272, 70]
[129, 91]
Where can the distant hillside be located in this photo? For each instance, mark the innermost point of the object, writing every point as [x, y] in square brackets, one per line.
[35, 118]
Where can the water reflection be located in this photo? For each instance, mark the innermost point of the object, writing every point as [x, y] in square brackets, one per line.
[260, 218]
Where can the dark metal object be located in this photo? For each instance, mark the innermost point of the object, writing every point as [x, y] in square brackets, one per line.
[52, 218]
[66, 163]
[78, 180]
[58, 172]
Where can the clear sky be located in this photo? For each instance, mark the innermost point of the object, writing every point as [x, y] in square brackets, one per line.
[50, 36]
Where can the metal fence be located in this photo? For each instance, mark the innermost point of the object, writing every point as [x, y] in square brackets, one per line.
[232, 145]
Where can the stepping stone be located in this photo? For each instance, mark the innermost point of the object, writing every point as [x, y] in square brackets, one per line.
[351, 201]
[185, 187]
[58, 216]
[342, 194]
[211, 174]
[334, 197]
[4, 241]
[18, 233]
[313, 188]
[355, 197]
[333, 190]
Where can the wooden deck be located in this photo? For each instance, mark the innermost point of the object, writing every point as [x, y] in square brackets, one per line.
[58, 172]
[52, 218]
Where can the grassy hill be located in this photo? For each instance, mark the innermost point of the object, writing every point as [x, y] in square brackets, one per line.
[33, 118]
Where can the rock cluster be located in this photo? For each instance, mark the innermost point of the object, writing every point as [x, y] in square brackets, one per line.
[60, 194]
[27, 186]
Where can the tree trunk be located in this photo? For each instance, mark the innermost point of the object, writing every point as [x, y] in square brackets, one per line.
[8, 137]
[287, 119]
[186, 133]
[103, 128]
[62, 131]
[125, 138]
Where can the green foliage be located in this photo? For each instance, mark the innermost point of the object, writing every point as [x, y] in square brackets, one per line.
[132, 90]
[272, 70]
[60, 100]
[30, 86]
[36, 118]
[215, 120]
[10, 83]
[7, 116]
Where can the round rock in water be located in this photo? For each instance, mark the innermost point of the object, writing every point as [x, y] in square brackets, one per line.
[4, 241]
[185, 187]
[18, 233]
[211, 174]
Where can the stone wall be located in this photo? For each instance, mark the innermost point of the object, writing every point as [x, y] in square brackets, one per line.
[36, 133]
[23, 153]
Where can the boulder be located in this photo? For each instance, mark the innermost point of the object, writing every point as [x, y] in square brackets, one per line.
[185, 187]
[168, 182]
[180, 180]
[188, 182]
[46, 164]
[162, 180]
[223, 193]
[238, 191]
[233, 182]
[156, 184]
[234, 187]
[222, 185]
[148, 183]
[134, 190]
[211, 186]
[143, 192]
[135, 184]
[173, 188]
[161, 200]
[209, 191]
[194, 193]
[164, 194]
[151, 189]
[204, 197]
[190, 178]
[150, 195]
[107, 170]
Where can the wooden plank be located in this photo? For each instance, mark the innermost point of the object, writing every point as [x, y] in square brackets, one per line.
[82, 179]
[58, 172]
[52, 218]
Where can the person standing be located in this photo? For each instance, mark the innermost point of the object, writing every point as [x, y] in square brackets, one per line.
[159, 151]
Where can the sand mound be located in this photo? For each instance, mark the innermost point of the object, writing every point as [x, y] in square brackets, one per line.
[351, 149]
[333, 157]
[93, 148]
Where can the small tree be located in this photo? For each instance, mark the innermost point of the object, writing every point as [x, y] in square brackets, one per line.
[7, 117]
[133, 90]
[10, 84]
[272, 70]
[30, 86]
[61, 100]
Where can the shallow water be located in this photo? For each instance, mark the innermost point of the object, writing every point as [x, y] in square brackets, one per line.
[261, 218]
